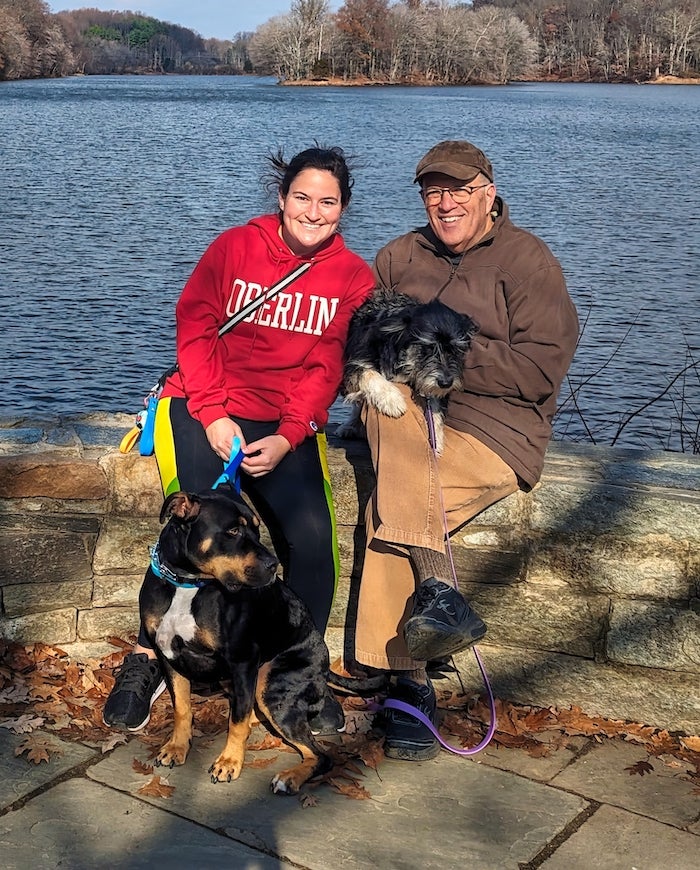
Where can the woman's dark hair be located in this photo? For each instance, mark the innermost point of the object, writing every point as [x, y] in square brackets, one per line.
[333, 160]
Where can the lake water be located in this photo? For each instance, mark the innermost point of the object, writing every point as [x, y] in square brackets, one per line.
[112, 187]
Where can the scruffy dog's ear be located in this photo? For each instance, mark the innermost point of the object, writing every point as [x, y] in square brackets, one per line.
[184, 505]
[394, 333]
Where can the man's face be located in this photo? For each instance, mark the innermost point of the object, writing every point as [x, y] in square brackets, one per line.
[458, 225]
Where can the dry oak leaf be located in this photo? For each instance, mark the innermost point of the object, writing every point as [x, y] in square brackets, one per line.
[157, 787]
[140, 767]
[38, 749]
[640, 768]
[23, 724]
[268, 742]
[372, 754]
[691, 743]
[17, 694]
[111, 742]
[350, 789]
[261, 762]
[308, 800]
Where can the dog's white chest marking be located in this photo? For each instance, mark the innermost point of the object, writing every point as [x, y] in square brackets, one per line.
[178, 620]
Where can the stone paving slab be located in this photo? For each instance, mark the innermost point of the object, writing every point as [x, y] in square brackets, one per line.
[542, 768]
[614, 839]
[661, 794]
[21, 777]
[419, 815]
[81, 825]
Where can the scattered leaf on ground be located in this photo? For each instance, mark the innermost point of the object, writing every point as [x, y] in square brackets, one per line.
[157, 787]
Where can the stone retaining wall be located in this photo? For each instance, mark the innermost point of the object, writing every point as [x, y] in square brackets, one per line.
[590, 584]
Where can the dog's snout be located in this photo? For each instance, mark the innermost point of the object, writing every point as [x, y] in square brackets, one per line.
[445, 382]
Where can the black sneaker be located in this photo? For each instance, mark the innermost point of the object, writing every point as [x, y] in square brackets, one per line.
[139, 683]
[331, 719]
[442, 622]
[405, 737]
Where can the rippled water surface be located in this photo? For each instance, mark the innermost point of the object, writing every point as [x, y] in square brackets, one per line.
[111, 188]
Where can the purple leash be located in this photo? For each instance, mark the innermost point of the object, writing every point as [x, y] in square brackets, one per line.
[413, 711]
[409, 708]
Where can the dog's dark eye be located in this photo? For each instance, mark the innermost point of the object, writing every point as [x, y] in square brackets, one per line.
[234, 532]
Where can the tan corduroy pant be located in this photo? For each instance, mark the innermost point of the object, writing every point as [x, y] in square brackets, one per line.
[417, 493]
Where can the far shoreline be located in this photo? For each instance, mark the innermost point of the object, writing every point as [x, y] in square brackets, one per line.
[364, 82]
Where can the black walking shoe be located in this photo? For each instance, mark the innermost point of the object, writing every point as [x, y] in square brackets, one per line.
[139, 683]
[331, 719]
[405, 737]
[442, 622]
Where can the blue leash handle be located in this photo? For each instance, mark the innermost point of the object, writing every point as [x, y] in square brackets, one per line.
[230, 473]
[148, 422]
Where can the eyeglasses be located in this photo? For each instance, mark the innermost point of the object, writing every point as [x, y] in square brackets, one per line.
[461, 194]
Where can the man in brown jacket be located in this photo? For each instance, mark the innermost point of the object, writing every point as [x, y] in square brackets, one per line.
[474, 259]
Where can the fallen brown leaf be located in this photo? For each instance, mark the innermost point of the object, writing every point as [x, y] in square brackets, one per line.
[691, 743]
[308, 800]
[639, 768]
[111, 742]
[140, 767]
[37, 749]
[22, 724]
[351, 790]
[261, 762]
[157, 787]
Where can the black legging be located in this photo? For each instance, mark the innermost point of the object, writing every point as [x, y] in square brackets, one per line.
[294, 500]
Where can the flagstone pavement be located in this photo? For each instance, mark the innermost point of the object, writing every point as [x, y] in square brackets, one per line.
[585, 806]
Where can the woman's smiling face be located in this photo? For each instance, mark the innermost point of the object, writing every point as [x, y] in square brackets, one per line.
[311, 211]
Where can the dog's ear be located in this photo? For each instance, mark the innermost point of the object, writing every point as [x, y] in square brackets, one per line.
[394, 335]
[183, 505]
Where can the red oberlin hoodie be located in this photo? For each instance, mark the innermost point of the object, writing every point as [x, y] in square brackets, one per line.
[284, 362]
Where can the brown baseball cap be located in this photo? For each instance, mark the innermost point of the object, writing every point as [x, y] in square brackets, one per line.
[457, 158]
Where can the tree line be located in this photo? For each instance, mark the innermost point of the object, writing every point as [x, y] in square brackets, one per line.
[382, 41]
[35, 43]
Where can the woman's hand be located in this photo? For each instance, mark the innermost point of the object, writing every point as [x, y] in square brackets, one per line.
[220, 435]
[262, 456]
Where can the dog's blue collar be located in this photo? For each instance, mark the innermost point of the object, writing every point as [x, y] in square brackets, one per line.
[161, 570]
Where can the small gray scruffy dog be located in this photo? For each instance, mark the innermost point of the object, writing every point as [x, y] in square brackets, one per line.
[394, 338]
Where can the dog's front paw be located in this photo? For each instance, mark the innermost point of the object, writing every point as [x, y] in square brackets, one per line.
[391, 403]
[383, 395]
[289, 781]
[172, 754]
[281, 785]
[226, 768]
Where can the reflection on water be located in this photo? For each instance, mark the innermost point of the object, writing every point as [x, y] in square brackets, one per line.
[111, 188]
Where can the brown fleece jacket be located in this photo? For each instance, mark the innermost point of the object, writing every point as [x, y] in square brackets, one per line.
[511, 284]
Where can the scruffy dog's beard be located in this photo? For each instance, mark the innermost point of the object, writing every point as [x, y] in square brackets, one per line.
[394, 339]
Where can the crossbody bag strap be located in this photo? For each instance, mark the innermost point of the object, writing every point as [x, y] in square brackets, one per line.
[247, 309]
[251, 306]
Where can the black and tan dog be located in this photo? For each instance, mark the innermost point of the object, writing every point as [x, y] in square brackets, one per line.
[217, 614]
[393, 339]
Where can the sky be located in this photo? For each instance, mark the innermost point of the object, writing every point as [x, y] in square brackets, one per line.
[218, 18]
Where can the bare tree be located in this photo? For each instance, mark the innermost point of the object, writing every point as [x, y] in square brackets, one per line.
[290, 45]
[15, 47]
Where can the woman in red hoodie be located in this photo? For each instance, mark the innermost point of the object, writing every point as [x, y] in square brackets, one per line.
[269, 382]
